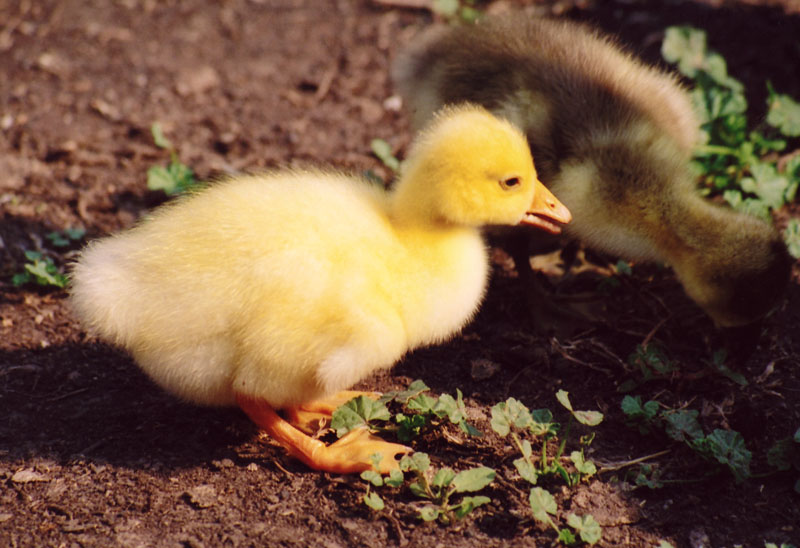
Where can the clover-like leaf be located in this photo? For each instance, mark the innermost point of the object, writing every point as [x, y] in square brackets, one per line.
[583, 466]
[586, 526]
[374, 501]
[429, 513]
[372, 477]
[542, 503]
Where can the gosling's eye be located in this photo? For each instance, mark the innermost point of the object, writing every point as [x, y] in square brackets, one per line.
[511, 182]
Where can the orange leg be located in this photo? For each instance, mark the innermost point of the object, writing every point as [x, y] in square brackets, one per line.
[310, 417]
[350, 454]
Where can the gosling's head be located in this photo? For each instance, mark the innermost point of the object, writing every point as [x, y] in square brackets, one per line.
[741, 276]
[470, 168]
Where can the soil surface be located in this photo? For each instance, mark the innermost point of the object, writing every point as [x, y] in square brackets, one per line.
[93, 454]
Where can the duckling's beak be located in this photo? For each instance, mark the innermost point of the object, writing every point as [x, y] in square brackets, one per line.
[545, 209]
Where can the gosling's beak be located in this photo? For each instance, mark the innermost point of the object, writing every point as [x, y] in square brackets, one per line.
[545, 209]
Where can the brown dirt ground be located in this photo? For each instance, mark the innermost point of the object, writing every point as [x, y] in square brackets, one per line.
[93, 454]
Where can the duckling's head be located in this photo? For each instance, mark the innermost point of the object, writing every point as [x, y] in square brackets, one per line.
[741, 275]
[470, 168]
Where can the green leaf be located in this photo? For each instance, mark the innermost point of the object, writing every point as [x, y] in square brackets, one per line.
[589, 418]
[766, 183]
[589, 530]
[356, 413]
[682, 425]
[410, 425]
[728, 447]
[21, 279]
[447, 406]
[374, 501]
[527, 470]
[158, 137]
[414, 389]
[584, 467]
[429, 513]
[563, 398]
[383, 151]
[542, 503]
[33, 255]
[780, 454]
[468, 504]
[508, 413]
[665, 544]
[633, 408]
[797, 436]
[158, 178]
[57, 239]
[46, 273]
[418, 490]
[373, 477]
[75, 233]
[422, 404]
[443, 478]
[792, 237]
[418, 462]
[784, 113]
[542, 423]
[472, 480]
[395, 479]
[686, 47]
[567, 537]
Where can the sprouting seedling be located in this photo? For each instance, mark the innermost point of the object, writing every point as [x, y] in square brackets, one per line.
[374, 479]
[176, 177]
[512, 417]
[383, 151]
[422, 411]
[543, 505]
[652, 361]
[41, 270]
[440, 486]
[66, 237]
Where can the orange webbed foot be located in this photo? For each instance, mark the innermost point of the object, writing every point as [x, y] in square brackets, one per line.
[350, 454]
[313, 416]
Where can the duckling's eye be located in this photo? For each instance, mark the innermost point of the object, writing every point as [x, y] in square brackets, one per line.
[511, 182]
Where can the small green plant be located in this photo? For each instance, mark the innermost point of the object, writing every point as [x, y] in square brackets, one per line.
[773, 545]
[66, 237]
[421, 411]
[652, 361]
[740, 165]
[383, 151]
[513, 417]
[455, 11]
[727, 447]
[543, 505]
[176, 177]
[439, 487]
[40, 269]
[785, 456]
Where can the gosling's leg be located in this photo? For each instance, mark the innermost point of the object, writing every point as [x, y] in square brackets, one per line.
[350, 454]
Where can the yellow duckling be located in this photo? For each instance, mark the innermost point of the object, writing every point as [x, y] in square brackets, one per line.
[612, 139]
[273, 291]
